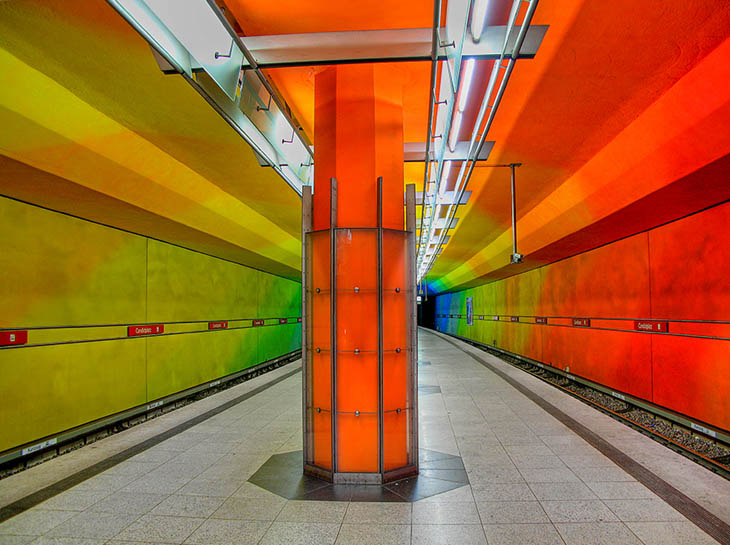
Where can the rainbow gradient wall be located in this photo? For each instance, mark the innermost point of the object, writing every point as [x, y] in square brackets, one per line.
[674, 277]
[76, 286]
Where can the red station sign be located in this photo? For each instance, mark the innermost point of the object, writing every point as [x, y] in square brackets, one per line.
[283, 320]
[13, 338]
[540, 320]
[651, 326]
[140, 330]
[257, 323]
[218, 325]
[582, 322]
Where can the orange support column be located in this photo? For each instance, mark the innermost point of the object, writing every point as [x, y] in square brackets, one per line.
[360, 358]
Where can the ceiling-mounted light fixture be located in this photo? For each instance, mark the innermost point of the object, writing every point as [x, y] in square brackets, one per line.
[478, 18]
[445, 177]
[466, 79]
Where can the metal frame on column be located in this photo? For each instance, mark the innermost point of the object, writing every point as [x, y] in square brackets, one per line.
[411, 467]
[333, 318]
[381, 423]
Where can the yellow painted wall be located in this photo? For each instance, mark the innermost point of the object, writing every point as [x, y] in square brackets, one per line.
[60, 271]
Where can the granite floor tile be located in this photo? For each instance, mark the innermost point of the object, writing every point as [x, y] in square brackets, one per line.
[511, 512]
[313, 511]
[597, 533]
[374, 534]
[549, 475]
[445, 513]
[188, 506]
[378, 513]
[522, 534]
[447, 534]
[504, 492]
[159, 529]
[207, 487]
[128, 503]
[300, 533]
[92, 524]
[156, 485]
[229, 532]
[250, 508]
[562, 491]
[578, 511]
[530, 461]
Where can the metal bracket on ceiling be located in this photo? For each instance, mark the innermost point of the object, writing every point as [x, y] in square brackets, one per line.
[285, 141]
[218, 55]
[262, 109]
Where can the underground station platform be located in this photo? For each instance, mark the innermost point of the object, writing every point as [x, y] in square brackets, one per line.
[406, 272]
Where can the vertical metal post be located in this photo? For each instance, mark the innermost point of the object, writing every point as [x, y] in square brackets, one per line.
[306, 371]
[516, 257]
[381, 420]
[333, 317]
[413, 386]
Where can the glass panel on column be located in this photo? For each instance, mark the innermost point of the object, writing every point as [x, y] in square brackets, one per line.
[357, 351]
[318, 324]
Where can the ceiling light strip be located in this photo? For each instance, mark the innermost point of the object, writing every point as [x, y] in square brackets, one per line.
[463, 179]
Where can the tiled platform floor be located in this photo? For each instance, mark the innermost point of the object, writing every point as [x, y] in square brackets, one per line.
[532, 480]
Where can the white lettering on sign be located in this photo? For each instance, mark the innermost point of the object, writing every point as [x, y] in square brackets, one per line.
[618, 396]
[214, 383]
[155, 405]
[39, 446]
[702, 429]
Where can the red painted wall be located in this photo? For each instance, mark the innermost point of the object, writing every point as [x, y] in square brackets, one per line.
[679, 272]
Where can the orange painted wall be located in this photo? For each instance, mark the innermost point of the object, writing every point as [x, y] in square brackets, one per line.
[676, 272]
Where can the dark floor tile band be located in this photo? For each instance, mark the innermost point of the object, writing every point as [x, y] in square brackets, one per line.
[48, 492]
[700, 516]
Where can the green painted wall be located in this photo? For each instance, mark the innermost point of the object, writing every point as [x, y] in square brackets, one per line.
[59, 271]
